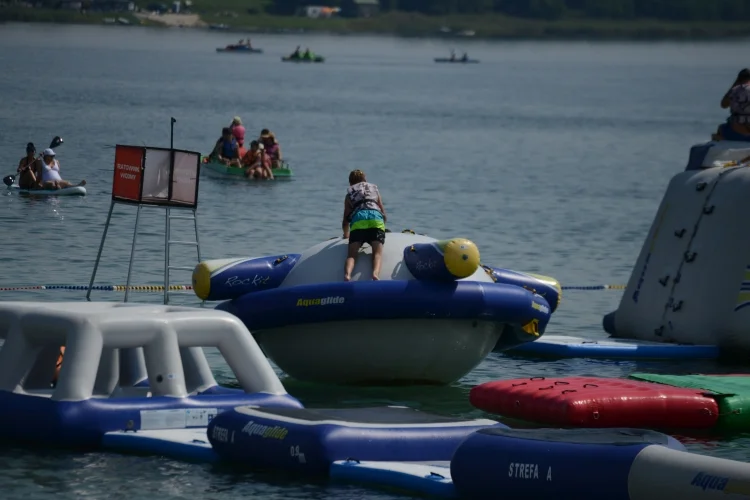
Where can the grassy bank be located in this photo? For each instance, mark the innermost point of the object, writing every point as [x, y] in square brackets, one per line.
[229, 13]
[28, 15]
[494, 26]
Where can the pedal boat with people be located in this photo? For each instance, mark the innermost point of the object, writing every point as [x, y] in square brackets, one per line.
[284, 171]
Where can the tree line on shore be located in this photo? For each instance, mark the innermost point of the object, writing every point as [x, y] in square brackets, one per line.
[664, 10]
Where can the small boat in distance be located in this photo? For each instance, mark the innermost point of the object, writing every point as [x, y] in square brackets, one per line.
[243, 46]
[304, 57]
[459, 60]
[316, 59]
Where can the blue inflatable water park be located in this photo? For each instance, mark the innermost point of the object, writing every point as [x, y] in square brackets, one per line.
[135, 379]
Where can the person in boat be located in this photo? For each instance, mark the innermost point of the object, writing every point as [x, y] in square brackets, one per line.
[307, 54]
[737, 99]
[50, 172]
[465, 57]
[271, 147]
[227, 150]
[238, 131]
[364, 222]
[256, 163]
[453, 55]
[296, 54]
[27, 169]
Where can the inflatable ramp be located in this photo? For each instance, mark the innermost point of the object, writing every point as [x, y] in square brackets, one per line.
[691, 282]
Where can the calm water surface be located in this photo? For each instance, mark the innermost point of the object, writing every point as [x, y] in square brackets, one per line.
[552, 157]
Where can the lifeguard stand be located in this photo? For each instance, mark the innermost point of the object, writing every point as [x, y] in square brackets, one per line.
[155, 177]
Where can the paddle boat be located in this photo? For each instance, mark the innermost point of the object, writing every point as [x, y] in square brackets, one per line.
[456, 60]
[125, 368]
[432, 317]
[302, 59]
[282, 172]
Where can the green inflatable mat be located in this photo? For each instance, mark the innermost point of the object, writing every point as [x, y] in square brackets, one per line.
[732, 393]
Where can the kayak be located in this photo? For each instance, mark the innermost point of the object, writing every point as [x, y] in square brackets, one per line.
[239, 48]
[283, 172]
[317, 59]
[70, 191]
[455, 61]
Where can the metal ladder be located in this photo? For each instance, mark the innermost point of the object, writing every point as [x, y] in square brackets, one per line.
[168, 242]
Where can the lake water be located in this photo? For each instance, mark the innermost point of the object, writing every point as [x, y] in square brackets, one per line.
[552, 157]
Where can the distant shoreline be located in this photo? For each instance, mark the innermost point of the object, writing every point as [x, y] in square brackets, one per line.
[494, 27]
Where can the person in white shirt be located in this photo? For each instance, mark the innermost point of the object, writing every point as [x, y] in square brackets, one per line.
[50, 172]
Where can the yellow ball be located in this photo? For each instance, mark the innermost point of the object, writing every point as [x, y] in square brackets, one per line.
[202, 280]
[461, 257]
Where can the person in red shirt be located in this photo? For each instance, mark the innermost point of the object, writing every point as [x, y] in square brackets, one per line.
[256, 162]
[238, 131]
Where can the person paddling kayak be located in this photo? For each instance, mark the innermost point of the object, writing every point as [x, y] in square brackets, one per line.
[27, 168]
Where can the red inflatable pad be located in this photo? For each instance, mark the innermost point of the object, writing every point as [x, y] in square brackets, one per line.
[597, 402]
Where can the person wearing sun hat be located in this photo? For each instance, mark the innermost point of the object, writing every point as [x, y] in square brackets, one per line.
[50, 169]
[271, 145]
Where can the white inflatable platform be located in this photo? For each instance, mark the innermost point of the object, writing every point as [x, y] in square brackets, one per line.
[562, 346]
[190, 445]
[71, 372]
[432, 479]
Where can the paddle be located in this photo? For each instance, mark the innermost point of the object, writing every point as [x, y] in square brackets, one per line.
[8, 180]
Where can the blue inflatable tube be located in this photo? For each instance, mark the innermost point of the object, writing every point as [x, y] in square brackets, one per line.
[224, 279]
[519, 464]
[310, 440]
[445, 260]
[43, 421]
[413, 299]
[547, 287]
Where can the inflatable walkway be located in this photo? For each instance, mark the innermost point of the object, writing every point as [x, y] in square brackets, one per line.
[597, 402]
[731, 393]
[691, 282]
